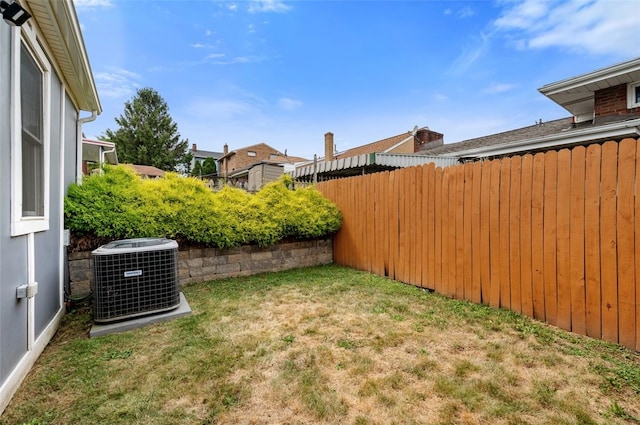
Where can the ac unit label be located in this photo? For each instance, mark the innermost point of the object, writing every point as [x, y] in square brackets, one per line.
[133, 273]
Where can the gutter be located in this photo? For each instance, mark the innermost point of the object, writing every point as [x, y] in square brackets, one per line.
[79, 124]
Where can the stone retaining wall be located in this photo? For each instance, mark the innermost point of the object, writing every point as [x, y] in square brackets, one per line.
[201, 264]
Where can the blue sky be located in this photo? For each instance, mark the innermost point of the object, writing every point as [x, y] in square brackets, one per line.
[287, 72]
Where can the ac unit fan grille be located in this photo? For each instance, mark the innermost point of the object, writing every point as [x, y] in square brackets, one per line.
[132, 284]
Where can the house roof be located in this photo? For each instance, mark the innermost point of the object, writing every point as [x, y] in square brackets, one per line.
[248, 148]
[198, 153]
[59, 24]
[147, 170]
[525, 133]
[576, 94]
[376, 147]
[555, 136]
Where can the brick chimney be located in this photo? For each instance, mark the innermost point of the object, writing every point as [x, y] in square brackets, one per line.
[194, 147]
[328, 146]
[225, 149]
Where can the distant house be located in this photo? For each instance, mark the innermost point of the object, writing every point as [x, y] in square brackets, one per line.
[235, 165]
[45, 83]
[201, 155]
[403, 150]
[95, 153]
[147, 171]
[604, 105]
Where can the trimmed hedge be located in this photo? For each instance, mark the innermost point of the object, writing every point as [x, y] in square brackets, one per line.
[119, 204]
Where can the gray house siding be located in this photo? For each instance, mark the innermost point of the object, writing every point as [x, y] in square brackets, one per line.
[47, 244]
[12, 267]
[36, 254]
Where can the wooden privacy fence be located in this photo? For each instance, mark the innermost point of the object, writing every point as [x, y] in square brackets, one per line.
[551, 235]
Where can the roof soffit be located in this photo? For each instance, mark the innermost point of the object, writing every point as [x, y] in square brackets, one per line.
[59, 25]
[576, 94]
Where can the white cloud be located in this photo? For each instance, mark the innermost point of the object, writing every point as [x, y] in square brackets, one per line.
[470, 55]
[289, 104]
[117, 83]
[591, 26]
[92, 3]
[466, 12]
[257, 6]
[499, 88]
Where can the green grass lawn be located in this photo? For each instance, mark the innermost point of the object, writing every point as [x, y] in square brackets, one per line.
[328, 345]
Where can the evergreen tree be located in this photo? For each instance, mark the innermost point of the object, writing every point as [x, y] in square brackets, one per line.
[209, 167]
[148, 135]
[197, 169]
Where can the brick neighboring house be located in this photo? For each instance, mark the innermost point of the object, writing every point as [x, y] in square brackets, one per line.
[604, 105]
[241, 159]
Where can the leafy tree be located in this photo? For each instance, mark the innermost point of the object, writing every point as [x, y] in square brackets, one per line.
[208, 167]
[148, 135]
[197, 169]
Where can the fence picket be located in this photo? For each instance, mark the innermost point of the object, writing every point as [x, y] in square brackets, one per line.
[550, 237]
[537, 237]
[576, 241]
[626, 243]
[505, 189]
[526, 295]
[494, 234]
[608, 241]
[476, 224]
[467, 226]
[514, 234]
[592, 241]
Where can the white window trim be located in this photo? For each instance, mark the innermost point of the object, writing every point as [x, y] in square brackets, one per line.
[631, 94]
[24, 225]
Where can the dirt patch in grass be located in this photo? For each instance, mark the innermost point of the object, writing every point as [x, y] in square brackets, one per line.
[329, 345]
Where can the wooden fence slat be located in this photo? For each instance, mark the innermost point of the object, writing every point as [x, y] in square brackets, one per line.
[514, 233]
[592, 241]
[393, 223]
[637, 243]
[563, 245]
[505, 189]
[494, 234]
[467, 226]
[485, 202]
[608, 240]
[431, 182]
[526, 295]
[409, 183]
[537, 237]
[576, 241]
[445, 233]
[626, 244]
[438, 231]
[451, 260]
[420, 228]
[416, 234]
[476, 292]
[460, 259]
[550, 235]
[427, 226]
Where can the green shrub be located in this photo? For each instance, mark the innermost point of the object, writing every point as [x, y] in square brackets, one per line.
[118, 204]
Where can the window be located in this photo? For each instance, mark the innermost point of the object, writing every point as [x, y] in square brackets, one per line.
[32, 143]
[29, 135]
[251, 153]
[633, 95]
